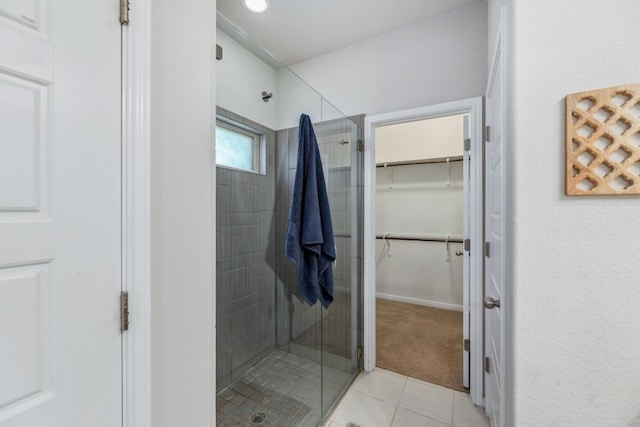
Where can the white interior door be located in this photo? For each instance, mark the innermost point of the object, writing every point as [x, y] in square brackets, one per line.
[60, 257]
[494, 231]
[466, 265]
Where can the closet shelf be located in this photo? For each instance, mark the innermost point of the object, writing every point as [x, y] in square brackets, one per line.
[420, 238]
[420, 162]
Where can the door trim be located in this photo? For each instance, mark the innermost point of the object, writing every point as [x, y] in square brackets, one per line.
[136, 236]
[474, 107]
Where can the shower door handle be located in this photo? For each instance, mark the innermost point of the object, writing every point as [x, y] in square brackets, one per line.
[490, 303]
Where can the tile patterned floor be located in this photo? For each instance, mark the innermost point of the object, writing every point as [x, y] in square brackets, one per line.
[285, 387]
[385, 399]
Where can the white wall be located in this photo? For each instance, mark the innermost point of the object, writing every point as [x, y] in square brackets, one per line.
[295, 97]
[241, 79]
[575, 259]
[420, 200]
[438, 60]
[415, 200]
[182, 284]
[420, 139]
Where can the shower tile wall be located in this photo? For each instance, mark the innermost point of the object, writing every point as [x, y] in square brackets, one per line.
[246, 263]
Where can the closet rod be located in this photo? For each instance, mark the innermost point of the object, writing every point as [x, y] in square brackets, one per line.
[419, 239]
[420, 162]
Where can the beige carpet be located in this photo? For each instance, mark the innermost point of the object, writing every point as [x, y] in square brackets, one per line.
[420, 342]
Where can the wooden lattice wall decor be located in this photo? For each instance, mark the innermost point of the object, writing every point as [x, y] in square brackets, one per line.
[603, 141]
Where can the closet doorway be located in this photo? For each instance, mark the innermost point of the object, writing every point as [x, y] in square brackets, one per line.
[423, 232]
[419, 250]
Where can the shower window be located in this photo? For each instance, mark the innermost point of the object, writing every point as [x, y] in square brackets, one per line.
[238, 147]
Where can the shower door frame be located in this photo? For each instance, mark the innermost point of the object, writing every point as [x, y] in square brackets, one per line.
[475, 108]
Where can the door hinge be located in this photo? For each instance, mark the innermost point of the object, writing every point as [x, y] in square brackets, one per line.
[487, 365]
[124, 12]
[218, 52]
[359, 352]
[124, 311]
[487, 135]
[487, 249]
[467, 144]
[466, 344]
[360, 145]
[467, 245]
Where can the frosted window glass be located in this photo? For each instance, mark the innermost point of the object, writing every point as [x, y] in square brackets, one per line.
[235, 150]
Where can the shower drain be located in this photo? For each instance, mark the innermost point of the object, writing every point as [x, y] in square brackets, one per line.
[257, 417]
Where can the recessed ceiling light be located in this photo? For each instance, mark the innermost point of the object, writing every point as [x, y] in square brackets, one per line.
[255, 5]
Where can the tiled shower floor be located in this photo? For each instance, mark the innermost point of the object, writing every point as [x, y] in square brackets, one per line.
[286, 388]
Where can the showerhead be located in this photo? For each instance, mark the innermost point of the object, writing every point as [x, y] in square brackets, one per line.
[266, 96]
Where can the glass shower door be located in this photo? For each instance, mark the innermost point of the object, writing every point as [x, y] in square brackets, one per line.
[338, 141]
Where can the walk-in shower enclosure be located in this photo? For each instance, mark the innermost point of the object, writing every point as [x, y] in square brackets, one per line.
[279, 361]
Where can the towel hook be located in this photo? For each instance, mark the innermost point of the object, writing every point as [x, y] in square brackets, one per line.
[266, 96]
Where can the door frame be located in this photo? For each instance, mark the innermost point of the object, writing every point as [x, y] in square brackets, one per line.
[473, 107]
[136, 221]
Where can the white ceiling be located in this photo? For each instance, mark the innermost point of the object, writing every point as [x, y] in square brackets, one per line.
[296, 30]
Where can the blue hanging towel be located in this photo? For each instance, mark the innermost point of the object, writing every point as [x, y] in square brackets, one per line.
[310, 244]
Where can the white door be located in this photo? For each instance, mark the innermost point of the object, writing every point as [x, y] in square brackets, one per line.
[60, 258]
[466, 265]
[494, 232]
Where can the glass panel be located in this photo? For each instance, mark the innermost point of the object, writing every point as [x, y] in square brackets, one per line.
[275, 353]
[234, 149]
[338, 139]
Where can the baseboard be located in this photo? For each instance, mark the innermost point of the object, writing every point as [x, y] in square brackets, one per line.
[417, 301]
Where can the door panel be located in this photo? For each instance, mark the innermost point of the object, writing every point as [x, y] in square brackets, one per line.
[26, 226]
[494, 267]
[26, 359]
[22, 11]
[466, 269]
[20, 166]
[60, 349]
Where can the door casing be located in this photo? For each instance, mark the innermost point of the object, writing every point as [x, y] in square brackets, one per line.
[473, 107]
[136, 222]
